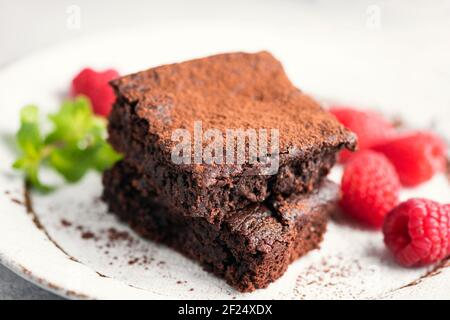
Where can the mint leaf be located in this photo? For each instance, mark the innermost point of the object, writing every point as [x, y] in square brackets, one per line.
[75, 145]
[81, 139]
[31, 170]
[70, 163]
[29, 135]
[105, 157]
[32, 147]
[73, 121]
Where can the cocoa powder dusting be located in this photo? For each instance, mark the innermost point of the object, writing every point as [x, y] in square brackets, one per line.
[113, 235]
[235, 90]
[340, 277]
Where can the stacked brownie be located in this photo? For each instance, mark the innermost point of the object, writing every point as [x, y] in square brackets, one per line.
[239, 221]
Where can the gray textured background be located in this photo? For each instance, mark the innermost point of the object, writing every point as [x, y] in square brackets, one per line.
[14, 287]
[27, 26]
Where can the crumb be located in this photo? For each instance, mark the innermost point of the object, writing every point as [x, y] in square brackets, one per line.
[17, 201]
[87, 235]
[398, 122]
[65, 223]
[114, 235]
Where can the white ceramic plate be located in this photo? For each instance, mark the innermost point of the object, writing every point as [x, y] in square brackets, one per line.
[86, 259]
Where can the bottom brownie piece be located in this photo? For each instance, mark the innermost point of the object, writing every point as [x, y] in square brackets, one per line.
[249, 249]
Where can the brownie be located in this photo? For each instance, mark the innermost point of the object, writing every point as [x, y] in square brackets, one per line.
[235, 90]
[249, 249]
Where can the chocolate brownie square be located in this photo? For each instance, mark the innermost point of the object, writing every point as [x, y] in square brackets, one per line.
[249, 249]
[235, 91]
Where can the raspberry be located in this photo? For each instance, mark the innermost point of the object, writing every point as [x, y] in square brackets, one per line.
[447, 207]
[95, 86]
[416, 156]
[417, 232]
[370, 128]
[370, 188]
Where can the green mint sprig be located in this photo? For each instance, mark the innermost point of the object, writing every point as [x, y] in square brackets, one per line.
[76, 144]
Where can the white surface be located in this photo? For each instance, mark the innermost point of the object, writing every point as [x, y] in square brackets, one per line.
[332, 51]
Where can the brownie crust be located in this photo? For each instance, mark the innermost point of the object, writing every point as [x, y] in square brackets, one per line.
[249, 249]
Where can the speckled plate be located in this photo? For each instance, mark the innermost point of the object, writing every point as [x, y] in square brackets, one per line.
[70, 245]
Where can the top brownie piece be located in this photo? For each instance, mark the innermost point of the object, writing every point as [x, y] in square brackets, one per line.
[226, 91]
[235, 90]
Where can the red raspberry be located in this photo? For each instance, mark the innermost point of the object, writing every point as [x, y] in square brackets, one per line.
[370, 128]
[447, 207]
[417, 232]
[370, 188]
[95, 86]
[416, 156]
